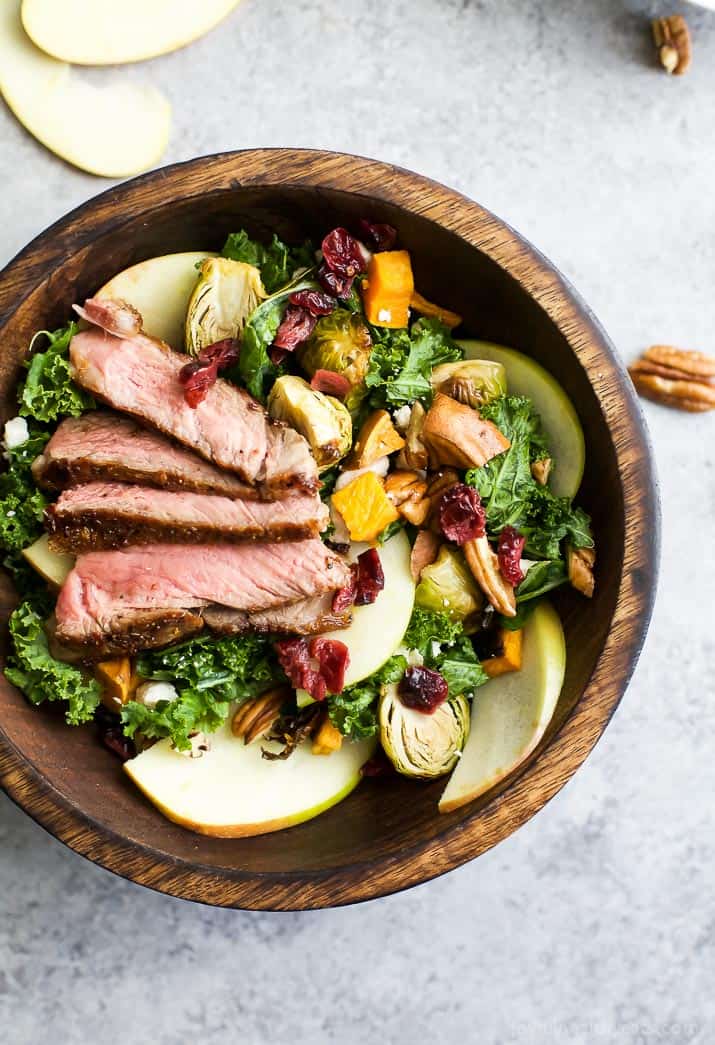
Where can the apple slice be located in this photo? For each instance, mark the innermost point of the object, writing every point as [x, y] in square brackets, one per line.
[111, 131]
[378, 629]
[102, 32]
[232, 791]
[160, 289]
[53, 566]
[511, 712]
[528, 378]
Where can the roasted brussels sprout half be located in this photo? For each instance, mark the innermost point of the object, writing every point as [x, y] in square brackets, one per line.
[340, 342]
[323, 420]
[224, 297]
[447, 586]
[470, 381]
[418, 744]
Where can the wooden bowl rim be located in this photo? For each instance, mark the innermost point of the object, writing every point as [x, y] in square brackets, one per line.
[542, 777]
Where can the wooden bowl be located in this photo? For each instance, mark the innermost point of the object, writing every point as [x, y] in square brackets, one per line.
[388, 835]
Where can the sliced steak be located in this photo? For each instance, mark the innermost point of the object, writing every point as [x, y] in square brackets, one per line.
[97, 516]
[307, 617]
[140, 376]
[108, 594]
[104, 446]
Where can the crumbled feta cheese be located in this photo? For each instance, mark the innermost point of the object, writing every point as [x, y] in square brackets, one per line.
[11, 514]
[436, 648]
[380, 467]
[384, 315]
[16, 432]
[150, 693]
[415, 658]
[401, 417]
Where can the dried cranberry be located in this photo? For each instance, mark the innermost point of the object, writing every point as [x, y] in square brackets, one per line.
[330, 382]
[122, 746]
[334, 284]
[294, 658]
[343, 254]
[199, 375]
[316, 303]
[297, 325]
[370, 577]
[378, 236]
[333, 657]
[423, 689]
[461, 514]
[511, 545]
[344, 598]
[377, 766]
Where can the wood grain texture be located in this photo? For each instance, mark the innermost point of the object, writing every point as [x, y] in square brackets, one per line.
[388, 835]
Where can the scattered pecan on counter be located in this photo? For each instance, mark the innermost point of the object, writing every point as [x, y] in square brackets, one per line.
[675, 377]
[672, 39]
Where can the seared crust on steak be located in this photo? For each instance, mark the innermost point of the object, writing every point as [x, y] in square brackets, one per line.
[130, 632]
[307, 617]
[99, 516]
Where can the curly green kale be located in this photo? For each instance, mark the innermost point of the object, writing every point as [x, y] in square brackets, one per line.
[48, 391]
[209, 674]
[32, 668]
[402, 362]
[21, 503]
[277, 262]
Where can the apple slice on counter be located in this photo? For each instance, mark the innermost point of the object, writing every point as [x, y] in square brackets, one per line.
[526, 377]
[160, 289]
[112, 131]
[510, 713]
[378, 629]
[53, 566]
[232, 791]
[103, 32]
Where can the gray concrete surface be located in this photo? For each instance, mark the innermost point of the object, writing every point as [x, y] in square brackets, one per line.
[594, 923]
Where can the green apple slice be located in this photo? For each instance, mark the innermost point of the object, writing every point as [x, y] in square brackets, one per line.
[112, 131]
[102, 32]
[53, 566]
[511, 712]
[378, 629]
[232, 791]
[160, 289]
[528, 378]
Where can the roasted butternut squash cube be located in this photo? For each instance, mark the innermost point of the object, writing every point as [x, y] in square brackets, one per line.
[510, 656]
[118, 681]
[365, 507]
[327, 740]
[388, 289]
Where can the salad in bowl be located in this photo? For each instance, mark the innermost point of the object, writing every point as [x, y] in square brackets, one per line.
[276, 527]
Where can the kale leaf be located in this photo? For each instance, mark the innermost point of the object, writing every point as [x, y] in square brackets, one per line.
[32, 668]
[277, 262]
[401, 362]
[354, 711]
[22, 504]
[208, 673]
[511, 495]
[48, 391]
[255, 369]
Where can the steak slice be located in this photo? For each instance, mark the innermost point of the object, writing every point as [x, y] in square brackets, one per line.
[104, 446]
[307, 617]
[140, 376]
[109, 594]
[110, 515]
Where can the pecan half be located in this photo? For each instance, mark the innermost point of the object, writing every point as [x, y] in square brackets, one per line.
[672, 39]
[256, 717]
[580, 562]
[693, 364]
[694, 396]
[541, 470]
[484, 564]
[406, 490]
